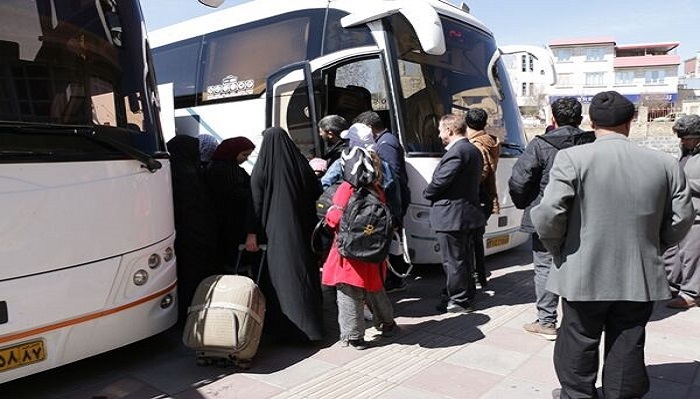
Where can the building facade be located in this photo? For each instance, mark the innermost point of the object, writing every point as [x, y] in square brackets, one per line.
[647, 74]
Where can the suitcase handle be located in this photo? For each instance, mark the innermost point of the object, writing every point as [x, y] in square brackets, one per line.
[241, 249]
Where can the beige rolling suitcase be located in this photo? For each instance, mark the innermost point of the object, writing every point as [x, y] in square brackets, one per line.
[225, 320]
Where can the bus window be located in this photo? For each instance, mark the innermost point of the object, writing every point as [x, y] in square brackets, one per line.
[432, 86]
[338, 38]
[358, 86]
[236, 63]
[177, 63]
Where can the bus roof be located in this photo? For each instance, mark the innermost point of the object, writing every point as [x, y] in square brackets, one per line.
[261, 9]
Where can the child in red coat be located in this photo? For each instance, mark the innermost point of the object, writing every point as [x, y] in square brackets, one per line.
[357, 281]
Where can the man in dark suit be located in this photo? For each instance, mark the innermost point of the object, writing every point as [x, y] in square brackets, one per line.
[454, 194]
[608, 212]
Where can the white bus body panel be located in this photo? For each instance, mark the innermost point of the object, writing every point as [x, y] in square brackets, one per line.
[70, 247]
[422, 243]
[40, 202]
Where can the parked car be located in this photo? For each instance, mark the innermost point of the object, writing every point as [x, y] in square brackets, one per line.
[669, 117]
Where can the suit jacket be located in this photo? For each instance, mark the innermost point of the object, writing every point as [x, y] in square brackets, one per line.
[610, 210]
[454, 190]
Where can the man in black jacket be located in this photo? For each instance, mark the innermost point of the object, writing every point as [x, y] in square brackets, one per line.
[530, 177]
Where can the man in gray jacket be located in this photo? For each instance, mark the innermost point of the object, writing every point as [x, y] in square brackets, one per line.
[609, 210]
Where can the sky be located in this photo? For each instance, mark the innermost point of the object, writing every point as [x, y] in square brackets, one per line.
[535, 22]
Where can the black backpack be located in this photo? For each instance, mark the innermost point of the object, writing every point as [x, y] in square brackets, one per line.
[325, 201]
[365, 230]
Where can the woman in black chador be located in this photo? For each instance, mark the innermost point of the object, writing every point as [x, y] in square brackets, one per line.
[229, 185]
[195, 223]
[285, 189]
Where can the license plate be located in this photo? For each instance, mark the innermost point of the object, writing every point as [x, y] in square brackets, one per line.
[497, 241]
[22, 354]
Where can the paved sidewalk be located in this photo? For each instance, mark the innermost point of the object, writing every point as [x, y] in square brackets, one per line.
[485, 354]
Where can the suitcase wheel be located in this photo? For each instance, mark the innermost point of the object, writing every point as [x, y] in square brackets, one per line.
[243, 364]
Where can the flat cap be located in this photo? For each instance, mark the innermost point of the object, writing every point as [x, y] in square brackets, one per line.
[610, 108]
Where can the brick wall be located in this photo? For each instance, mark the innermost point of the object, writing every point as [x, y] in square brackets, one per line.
[655, 135]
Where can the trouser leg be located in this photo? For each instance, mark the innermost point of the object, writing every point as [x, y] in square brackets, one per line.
[381, 307]
[624, 372]
[673, 267]
[689, 257]
[546, 301]
[479, 256]
[350, 312]
[576, 348]
[456, 259]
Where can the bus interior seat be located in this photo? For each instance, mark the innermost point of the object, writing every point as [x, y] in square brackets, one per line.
[349, 101]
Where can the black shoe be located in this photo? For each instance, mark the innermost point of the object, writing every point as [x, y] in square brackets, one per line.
[359, 344]
[465, 307]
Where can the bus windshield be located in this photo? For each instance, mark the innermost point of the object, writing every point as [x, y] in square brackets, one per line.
[432, 86]
[75, 64]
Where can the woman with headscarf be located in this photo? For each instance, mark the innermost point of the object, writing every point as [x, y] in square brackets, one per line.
[285, 189]
[229, 185]
[195, 223]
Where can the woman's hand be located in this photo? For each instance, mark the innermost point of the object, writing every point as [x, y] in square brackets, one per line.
[251, 243]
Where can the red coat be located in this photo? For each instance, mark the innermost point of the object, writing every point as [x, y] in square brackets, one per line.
[338, 269]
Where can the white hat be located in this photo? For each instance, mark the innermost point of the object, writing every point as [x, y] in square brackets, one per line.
[359, 135]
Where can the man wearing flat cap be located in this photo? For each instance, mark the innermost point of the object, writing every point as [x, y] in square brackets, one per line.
[682, 261]
[609, 210]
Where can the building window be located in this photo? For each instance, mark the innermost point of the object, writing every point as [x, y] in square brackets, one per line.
[524, 89]
[532, 88]
[564, 79]
[594, 79]
[523, 63]
[595, 54]
[654, 77]
[564, 55]
[624, 77]
[531, 64]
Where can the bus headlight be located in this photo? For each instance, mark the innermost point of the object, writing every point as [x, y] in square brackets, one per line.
[140, 277]
[168, 254]
[154, 261]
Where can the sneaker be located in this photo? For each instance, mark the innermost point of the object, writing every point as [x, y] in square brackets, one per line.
[395, 285]
[547, 331]
[388, 329]
[359, 344]
[451, 307]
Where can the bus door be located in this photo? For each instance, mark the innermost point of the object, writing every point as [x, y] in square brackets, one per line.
[290, 105]
[345, 83]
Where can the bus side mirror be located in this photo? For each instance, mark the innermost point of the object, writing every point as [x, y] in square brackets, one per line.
[212, 3]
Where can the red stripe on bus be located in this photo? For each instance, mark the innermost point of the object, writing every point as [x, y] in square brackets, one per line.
[82, 319]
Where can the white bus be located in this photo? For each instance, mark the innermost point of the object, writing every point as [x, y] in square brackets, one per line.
[289, 63]
[86, 214]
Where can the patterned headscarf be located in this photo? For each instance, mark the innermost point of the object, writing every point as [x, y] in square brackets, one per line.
[207, 146]
[358, 168]
[360, 135]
